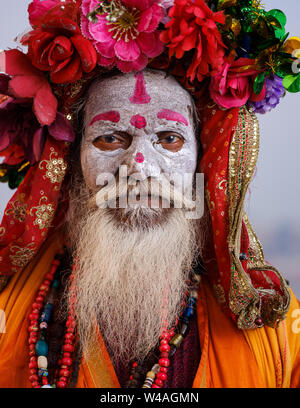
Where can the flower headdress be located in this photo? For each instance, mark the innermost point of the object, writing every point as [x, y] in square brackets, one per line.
[233, 52]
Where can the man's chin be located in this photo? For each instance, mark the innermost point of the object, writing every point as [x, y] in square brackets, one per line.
[139, 216]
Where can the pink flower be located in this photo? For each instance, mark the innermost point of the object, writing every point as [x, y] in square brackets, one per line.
[38, 8]
[129, 40]
[232, 86]
[30, 83]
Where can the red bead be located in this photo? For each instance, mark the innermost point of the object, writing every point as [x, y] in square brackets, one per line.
[163, 370]
[164, 354]
[33, 316]
[134, 364]
[161, 376]
[32, 371]
[64, 372]
[32, 364]
[131, 377]
[155, 386]
[49, 276]
[164, 347]
[47, 282]
[171, 333]
[56, 262]
[31, 347]
[61, 384]
[162, 342]
[69, 336]
[33, 377]
[39, 299]
[32, 340]
[67, 361]
[44, 380]
[35, 384]
[31, 352]
[158, 382]
[37, 305]
[164, 362]
[67, 341]
[68, 347]
[63, 379]
[67, 354]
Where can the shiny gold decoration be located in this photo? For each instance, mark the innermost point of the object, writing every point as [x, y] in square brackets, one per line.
[219, 293]
[44, 213]
[2, 231]
[244, 299]
[56, 168]
[18, 210]
[21, 256]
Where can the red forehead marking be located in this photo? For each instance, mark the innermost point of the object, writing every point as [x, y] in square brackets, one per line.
[138, 121]
[140, 95]
[171, 115]
[111, 116]
[139, 157]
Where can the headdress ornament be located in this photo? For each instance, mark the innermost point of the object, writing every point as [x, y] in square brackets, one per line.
[233, 56]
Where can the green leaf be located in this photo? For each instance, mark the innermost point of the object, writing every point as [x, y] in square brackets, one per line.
[292, 83]
[259, 83]
[279, 15]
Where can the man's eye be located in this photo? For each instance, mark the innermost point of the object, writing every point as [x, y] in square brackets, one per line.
[111, 142]
[171, 141]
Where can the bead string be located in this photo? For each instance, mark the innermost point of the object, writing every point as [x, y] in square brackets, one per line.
[38, 347]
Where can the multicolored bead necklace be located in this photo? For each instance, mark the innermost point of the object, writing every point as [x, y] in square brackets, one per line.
[40, 317]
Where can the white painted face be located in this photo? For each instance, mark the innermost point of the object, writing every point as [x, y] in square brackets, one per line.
[143, 121]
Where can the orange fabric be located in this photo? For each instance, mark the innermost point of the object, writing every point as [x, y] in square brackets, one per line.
[230, 357]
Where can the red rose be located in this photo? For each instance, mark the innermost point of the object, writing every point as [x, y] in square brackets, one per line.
[57, 46]
[193, 26]
[232, 87]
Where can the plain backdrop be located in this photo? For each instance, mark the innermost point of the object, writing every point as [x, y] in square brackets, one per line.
[273, 200]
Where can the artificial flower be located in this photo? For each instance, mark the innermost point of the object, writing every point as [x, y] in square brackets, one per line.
[193, 26]
[57, 46]
[21, 132]
[127, 41]
[38, 8]
[274, 91]
[232, 86]
[28, 82]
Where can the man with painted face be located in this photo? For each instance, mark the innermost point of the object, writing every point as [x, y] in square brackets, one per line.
[134, 265]
[118, 268]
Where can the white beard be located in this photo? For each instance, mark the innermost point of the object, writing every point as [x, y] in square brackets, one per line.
[130, 279]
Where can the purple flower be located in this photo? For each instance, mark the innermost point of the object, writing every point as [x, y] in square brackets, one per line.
[274, 92]
[19, 127]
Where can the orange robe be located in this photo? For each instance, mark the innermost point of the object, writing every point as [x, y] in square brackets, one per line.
[230, 357]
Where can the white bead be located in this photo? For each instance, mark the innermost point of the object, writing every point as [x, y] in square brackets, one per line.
[42, 362]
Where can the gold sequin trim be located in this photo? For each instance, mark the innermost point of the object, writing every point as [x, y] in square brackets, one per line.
[55, 167]
[44, 213]
[244, 299]
[21, 256]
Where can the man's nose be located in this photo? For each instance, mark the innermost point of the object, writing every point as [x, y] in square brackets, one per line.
[140, 161]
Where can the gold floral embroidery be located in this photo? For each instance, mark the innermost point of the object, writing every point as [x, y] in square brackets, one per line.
[2, 231]
[18, 209]
[223, 186]
[55, 166]
[21, 256]
[44, 213]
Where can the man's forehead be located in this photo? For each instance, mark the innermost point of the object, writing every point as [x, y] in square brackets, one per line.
[139, 92]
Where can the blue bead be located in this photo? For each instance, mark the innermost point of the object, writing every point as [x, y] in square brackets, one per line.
[41, 348]
[55, 284]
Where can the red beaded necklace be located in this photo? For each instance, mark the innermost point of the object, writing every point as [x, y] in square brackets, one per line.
[40, 316]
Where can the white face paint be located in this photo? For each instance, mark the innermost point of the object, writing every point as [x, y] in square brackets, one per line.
[144, 106]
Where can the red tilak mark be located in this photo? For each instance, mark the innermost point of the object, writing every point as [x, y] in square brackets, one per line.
[139, 157]
[140, 95]
[171, 115]
[138, 121]
[111, 116]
